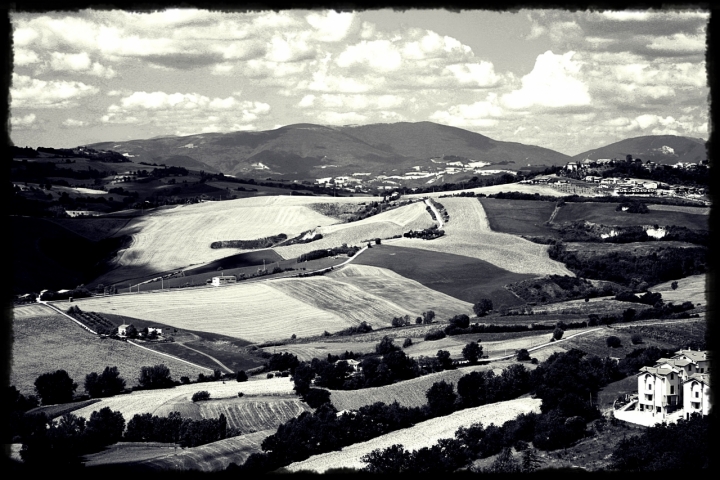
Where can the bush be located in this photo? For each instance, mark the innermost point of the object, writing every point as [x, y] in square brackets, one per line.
[407, 343]
[200, 396]
[636, 339]
[482, 307]
[613, 342]
[270, 375]
[240, 394]
[436, 335]
[557, 333]
[523, 355]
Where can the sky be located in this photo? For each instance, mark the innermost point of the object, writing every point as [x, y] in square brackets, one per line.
[569, 81]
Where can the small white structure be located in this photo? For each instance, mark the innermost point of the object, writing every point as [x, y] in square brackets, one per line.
[155, 330]
[223, 280]
[122, 330]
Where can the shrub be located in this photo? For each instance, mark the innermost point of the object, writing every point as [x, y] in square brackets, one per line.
[482, 307]
[200, 396]
[674, 286]
[240, 394]
[241, 376]
[436, 335]
[636, 339]
[523, 355]
[557, 333]
[613, 342]
[407, 343]
[184, 380]
[270, 375]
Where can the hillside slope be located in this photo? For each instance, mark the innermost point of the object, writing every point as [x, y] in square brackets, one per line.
[662, 149]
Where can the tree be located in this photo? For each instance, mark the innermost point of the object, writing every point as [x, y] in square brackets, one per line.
[157, 376]
[428, 317]
[482, 307]
[57, 387]
[104, 427]
[201, 396]
[444, 359]
[107, 384]
[674, 285]
[394, 459]
[628, 315]
[131, 331]
[613, 342]
[635, 338]
[523, 355]
[385, 346]
[407, 343]
[530, 461]
[471, 352]
[441, 398]
[505, 463]
[460, 321]
[241, 376]
[557, 333]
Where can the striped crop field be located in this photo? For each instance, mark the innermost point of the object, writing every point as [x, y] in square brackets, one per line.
[408, 393]
[178, 237]
[32, 310]
[406, 293]
[211, 457]
[49, 342]
[384, 225]
[350, 303]
[179, 398]
[468, 233]
[424, 434]
[255, 312]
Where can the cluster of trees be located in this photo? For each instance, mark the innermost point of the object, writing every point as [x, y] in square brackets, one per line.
[474, 182]
[579, 231]
[634, 268]
[342, 250]
[426, 234]
[632, 206]
[175, 429]
[665, 173]
[265, 242]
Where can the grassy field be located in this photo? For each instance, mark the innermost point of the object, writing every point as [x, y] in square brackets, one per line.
[519, 217]
[585, 250]
[462, 277]
[255, 312]
[608, 394]
[671, 333]
[468, 233]
[383, 225]
[409, 294]
[605, 214]
[689, 289]
[50, 342]
[181, 236]
[424, 434]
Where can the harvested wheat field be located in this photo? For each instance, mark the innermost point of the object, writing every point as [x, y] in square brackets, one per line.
[33, 310]
[406, 293]
[49, 342]
[512, 187]
[424, 434]
[211, 457]
[383, 225]
[468, 233]
[307, 351]
[689, 289]
[180, 397]
[255, 311]
[176, 238]
[409, 393]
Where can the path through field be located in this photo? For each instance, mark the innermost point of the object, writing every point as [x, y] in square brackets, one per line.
[468, 233]
[424, 434]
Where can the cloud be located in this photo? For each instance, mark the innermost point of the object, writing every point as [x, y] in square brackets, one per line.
[553, 83]
[379, 55]
[72, 123]
[352, 102]
[29, 92]
[479, 114]
[26, 122]
[475, 74]
[186, 111]
[24, 57]
[336, 118]
[331, 27]
[80, 63]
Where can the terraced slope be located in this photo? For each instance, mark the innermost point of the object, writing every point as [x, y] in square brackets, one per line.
[468, 233]
[424, 434]
[45, 342]
[256, 312]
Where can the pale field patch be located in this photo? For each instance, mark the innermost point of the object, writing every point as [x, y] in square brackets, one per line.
[690, 289]
[680, 208]
[254, 311]
[307, 351]
[406, 293]
[468, 233]
[33, 310]
[512, 187]
[47, 343]
[180, 397]
[383, 225]
[424, 434]
[599, 305]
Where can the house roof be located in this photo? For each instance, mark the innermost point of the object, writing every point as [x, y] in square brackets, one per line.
[700, 377]
[657, 370]
[693, 355]
[678, 362]
[124, 325]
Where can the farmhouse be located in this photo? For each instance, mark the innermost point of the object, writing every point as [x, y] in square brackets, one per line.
[223, 280]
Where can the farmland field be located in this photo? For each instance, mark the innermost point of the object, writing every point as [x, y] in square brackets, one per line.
[690, 289]
[181, 236]
[49, 342]
[674, 333]
[384, 225]
[468, 233]
[163, 401]
[465, 278]
[404, 292]
[307, 351]
[519, 217]
[605, 214]
[255, 312]
[424, 434]
[514, 187]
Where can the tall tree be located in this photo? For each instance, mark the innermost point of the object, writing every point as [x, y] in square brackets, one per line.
[56, 387]
[107, 384]
[157, 376]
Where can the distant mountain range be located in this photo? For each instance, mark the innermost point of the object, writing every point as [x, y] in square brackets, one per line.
[661, 149]
[303, 151]
[306, 151]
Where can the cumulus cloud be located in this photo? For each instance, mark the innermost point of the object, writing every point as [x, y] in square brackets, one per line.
[72, 123]
[344, 118]
[553, 83]
[484, 113]
[24, 57]
[33, 93]
[185, 111]
[78, 62]
[379, 55]
[25, 122]
[331, 27]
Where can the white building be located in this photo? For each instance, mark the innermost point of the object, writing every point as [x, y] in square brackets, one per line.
[659, 389]
[223, 280]
[696, 394]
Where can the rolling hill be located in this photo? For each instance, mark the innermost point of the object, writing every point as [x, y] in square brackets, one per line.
[661, 149]
[304, 151]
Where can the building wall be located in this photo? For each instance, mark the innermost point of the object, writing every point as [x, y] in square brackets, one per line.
[661, 388]
[694, 393]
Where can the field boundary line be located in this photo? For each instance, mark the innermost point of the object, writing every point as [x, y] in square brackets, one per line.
[437, 214]
[210, 357]
[538, 347]
[169, 356]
